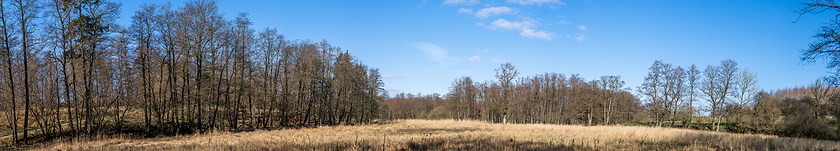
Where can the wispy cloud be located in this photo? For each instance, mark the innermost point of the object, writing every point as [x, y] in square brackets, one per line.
[580, 37]
[460, 2]
[535, 2]
[564, 22]
[526, 28]
[492, 11]
[434, 52]
[527, 32]
[498, 60]
[581, 27]
[391, 76]
[465, 10]
[474, 58]
[507, 25]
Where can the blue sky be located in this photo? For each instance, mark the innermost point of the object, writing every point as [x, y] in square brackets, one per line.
[421, 46]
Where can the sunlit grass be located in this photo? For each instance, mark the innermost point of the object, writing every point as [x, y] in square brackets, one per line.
[459, 135]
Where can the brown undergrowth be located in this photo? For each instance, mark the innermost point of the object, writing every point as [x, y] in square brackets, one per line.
[458, 135]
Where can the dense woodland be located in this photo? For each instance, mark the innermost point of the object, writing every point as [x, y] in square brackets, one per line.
[69, 69]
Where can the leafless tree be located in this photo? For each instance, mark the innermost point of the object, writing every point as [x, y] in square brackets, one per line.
[718, 82]
[505, 74]
[9, 40]
[746, 87]
[653, 90]
[26, 11]
[611, 85]
[827, 45]
[693, 77]
[675, 90]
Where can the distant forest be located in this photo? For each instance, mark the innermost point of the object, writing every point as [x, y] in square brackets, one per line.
[718, 98]
[69, 69]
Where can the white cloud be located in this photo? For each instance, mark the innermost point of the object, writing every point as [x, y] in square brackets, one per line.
[460, 2]
[535, 2]
[465, 10]
[526, 28]
[483, 50]
[580, 38]
[507, 25]
[531, 33]
[434, 52]
[492, 11]
[498, 60]
[581, 27]
[474, 58]
[391, 76]
[564, 22]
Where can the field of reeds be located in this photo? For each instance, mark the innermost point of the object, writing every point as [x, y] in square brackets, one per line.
[456, 135]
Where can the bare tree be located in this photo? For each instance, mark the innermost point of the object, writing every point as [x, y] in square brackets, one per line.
[675, 90]
[728, 76]
[693, 77]
[506, 73]
[747, 87]
[826, 46]
[612, 85]
[8, 40]
[143, 31]
[26, 12]
[462, 95]
[718, 82]
[652, 89]
[820, 90]
[711, 88]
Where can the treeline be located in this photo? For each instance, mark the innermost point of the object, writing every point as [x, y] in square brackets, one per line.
[544, 98]
[732, 97]
[723, 97]
[415, 106]
[70, 69]
[808, 112]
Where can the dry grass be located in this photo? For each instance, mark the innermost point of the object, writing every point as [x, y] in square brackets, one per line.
[459, 135]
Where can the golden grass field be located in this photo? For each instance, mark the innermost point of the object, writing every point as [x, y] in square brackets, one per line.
[457, 135]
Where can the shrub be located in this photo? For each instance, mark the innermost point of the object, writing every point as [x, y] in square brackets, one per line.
[800, 121]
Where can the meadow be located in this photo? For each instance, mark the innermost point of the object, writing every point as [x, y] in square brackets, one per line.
[454, 135]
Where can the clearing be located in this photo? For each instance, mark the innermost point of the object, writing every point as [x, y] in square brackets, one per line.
[457, 135]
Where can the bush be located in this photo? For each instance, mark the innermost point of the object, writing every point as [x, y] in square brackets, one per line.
[761, 118]
[800, 121]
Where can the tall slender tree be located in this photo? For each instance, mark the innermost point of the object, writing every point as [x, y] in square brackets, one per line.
[26, 12]
[8, 40]
[505, 74]
[693, 77]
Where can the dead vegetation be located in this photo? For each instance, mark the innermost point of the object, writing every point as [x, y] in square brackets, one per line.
[458, 135]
